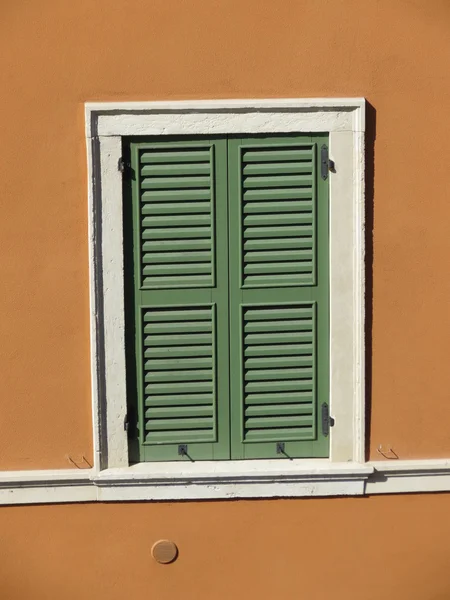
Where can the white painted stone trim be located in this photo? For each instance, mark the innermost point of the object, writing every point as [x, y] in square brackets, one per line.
[224, 116]
[406, 476]
[202, 480]
[49, 486]
[231, 480]
[344, 120]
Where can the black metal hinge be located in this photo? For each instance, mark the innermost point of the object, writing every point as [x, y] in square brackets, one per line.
[124, 167]
[325, 163]
[327, 421]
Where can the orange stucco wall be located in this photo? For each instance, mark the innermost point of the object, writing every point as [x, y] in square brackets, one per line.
[390, 547]
[57, 54]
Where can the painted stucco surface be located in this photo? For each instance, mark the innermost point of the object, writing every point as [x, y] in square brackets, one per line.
[55, 55]
[346, 549]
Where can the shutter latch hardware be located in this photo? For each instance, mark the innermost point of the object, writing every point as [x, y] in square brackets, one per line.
[327, 421]
[325, 163]
[280, 447]
[182, 450]
[126, 423]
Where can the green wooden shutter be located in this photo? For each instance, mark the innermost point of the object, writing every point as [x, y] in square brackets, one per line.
[278, 211]
[179, 195]
[230, 297]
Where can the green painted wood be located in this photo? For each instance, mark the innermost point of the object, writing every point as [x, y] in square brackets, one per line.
[279, 297]
[179, 197]
[229, 310]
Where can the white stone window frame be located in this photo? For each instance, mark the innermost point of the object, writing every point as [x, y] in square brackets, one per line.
[345, 472]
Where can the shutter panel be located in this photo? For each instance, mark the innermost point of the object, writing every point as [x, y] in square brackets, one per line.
[278, 209]
[278, 216]
[177, 223]
[279, 365]
[181, 298]
[179, 374]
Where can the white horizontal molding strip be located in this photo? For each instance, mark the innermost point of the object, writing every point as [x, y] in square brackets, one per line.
[176, 481]
[403, 476]
[44, 487]
[45, 477]
[232, 490]
[233, 479]
[225, 481]
[224, 116]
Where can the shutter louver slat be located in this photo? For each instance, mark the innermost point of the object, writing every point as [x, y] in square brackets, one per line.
[276, 168]
[178, 155]
[279, 393]
[177, 215]
[173, 400]
[176, 196]
[177, 207]
[276, 245]
[270, 207]
[175, 169]
[170, 233]
[177, 363]
[257, 195]
[286, 154]
[179, 389]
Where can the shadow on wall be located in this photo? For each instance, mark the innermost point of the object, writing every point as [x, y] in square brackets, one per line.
[371, 116]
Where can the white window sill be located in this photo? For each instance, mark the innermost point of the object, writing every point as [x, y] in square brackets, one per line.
[232, 479]
[214, 480]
